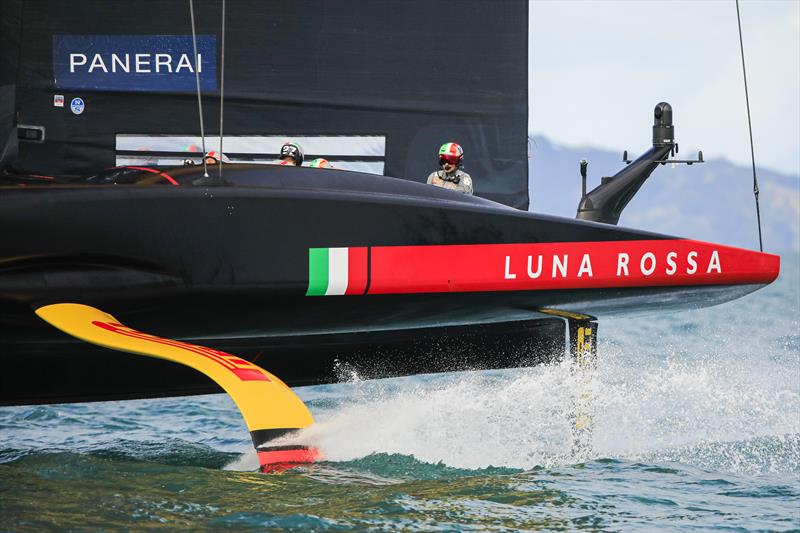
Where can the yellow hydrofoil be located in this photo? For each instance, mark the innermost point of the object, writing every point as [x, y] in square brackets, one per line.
[269, 407]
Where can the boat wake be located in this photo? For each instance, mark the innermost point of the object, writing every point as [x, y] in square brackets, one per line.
[707, 399]
[690, 388]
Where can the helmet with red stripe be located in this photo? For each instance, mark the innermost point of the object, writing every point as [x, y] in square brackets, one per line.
[451, 153]
[320, 163]
[217, 157]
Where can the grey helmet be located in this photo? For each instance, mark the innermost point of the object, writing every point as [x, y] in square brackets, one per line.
[293, 150]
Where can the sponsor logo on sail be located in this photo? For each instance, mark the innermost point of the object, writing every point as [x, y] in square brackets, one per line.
[77, 106]
[164, 63]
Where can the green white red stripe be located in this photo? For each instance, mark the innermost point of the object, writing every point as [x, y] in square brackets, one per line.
[337, 271]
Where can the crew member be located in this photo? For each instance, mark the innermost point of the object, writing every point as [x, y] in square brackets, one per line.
[320, 162]
[451, 156]
[213, 158]
[291, 154]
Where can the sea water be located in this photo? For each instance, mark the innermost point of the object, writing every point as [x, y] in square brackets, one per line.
[696, 425]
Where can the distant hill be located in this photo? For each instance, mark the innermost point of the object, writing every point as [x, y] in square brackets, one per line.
[709, 202]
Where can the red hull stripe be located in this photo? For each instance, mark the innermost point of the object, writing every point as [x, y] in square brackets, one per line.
[568, 265]
[356, 270]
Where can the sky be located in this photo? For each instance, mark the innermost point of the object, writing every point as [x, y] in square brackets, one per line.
[598, 67]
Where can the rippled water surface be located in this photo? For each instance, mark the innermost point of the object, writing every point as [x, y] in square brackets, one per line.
[696, 426]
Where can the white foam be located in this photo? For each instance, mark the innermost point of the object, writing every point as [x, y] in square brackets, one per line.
[715, 388]
[521, 418]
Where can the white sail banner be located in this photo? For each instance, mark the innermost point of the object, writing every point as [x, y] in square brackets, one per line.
[361, 153]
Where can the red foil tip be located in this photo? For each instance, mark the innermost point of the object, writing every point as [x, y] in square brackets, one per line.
[277, 459]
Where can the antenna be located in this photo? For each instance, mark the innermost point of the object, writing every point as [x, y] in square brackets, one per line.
[750, 128]
[199, 98]
[584, 164]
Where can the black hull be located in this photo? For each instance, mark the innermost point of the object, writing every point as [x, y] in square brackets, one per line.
[229, 267]
[81, 372]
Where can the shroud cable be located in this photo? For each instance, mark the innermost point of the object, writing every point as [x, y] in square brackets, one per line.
[199, 98]
[750, 128]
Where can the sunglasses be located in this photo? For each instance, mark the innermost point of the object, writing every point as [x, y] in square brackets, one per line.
[448, 160]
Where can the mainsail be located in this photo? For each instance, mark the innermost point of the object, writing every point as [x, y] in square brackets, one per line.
[374, 86]
[9, 45]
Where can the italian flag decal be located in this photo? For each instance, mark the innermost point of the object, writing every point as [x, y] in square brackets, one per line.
[337, 271]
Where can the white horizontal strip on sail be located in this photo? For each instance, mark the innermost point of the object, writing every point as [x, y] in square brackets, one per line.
[343, 151]
[368, 167]
[332, 145]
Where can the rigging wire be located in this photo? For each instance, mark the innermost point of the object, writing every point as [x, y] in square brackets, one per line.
[750, 128]
[199, 98]
[222, 89]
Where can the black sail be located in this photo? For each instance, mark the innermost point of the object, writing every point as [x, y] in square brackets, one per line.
[412, 73]
[10, 23]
